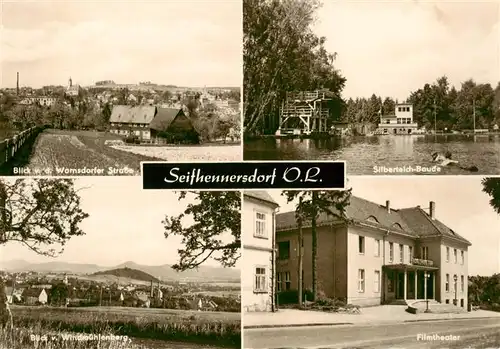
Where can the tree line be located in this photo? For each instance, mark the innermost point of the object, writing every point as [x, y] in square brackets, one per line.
[282, 53]
[435, 105]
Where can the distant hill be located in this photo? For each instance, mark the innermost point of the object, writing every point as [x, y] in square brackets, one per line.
[128, 273]
[163, 272]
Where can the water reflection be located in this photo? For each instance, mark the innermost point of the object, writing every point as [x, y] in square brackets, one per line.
[363, 153]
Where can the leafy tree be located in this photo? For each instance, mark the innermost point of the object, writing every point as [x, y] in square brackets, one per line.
[491, 186]
[313, 203]
[58, 294]
[40, 213]
[215, 214]
[281, 53]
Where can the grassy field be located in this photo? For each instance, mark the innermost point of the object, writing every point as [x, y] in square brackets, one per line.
[77, 149]
[222, 329]
[209, 152]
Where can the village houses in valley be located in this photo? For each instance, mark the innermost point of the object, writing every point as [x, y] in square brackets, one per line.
[258, 224]
[381, 256]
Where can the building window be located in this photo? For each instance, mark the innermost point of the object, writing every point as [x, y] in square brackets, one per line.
[425, 252]
[455, 255]
[287, 281]
[361, 280]
[278, 282]
[462, 302]
[462, 255]
[260, 225]
[447, 254]
[462, 283]
[455, 288]
[260, 280]
[361, 244]
[377, 281]
[410, 252]
[447, 301]
[447, 283]
[377, 248]
[284, 250]
[391, 252]
[401, 253]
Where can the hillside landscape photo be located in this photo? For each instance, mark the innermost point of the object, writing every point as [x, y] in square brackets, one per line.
[67, 107]
[63, 279]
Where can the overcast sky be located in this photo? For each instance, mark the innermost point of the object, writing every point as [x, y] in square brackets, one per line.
[124, 225]
[393, 47]
[460, 204]
[186, 43]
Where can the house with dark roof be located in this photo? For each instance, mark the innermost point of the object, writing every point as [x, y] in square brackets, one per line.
[149, 122]
[258, 224]
[33, 296]
[377, 255]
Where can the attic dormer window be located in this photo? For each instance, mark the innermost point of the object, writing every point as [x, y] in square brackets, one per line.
[372, 219]
[397, 225]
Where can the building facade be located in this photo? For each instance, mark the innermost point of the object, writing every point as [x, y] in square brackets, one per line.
[258, 224]
[380, 256]
[147, 122]
[401, 122]
[42, 101]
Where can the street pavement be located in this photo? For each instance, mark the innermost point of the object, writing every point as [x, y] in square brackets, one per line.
[459, 334]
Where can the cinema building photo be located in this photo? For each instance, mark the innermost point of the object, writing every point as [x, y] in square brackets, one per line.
[379, 255]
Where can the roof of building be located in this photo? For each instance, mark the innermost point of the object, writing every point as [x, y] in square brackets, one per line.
[410, 221]
[261, 195]
[133, 115]
[164, 118]
[33, 292]
[388, 116]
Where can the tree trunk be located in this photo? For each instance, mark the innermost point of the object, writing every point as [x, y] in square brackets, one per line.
[299, 271]
[314, 248]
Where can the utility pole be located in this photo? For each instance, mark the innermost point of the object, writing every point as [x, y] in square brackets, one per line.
[474, 113]
[435, 130]
[100, 297]
[300, 249]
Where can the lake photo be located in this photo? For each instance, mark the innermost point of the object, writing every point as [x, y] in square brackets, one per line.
[406, 101]
[363, 153]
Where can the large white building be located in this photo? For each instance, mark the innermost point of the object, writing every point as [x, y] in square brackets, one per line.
[258, 225]
[401, 122]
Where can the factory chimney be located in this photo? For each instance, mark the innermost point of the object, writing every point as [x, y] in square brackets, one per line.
[17, 85]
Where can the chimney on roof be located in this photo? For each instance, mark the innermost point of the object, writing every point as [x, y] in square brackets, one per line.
[432, 209]
[388, 206]
[17, 85]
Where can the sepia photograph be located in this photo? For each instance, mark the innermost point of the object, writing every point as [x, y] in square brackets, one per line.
[391, 87]
[373, 267]
[82, 266]
[94, 88]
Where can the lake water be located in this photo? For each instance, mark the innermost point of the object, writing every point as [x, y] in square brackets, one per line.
[362, 154]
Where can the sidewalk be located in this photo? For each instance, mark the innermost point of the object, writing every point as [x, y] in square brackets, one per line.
[372, 315]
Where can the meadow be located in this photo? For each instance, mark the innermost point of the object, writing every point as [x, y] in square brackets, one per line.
[211, 328]
[78, 149]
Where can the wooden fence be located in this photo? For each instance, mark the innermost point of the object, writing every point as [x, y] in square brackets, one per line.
[9, 147]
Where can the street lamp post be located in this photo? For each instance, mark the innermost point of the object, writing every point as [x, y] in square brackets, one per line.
[455, 301]
[426, 276]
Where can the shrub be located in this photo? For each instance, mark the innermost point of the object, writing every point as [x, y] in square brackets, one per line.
[292, 297]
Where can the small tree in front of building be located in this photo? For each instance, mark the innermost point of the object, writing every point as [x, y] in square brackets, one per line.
[311, 204]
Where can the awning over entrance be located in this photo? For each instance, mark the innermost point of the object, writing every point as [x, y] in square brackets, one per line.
[408, 267]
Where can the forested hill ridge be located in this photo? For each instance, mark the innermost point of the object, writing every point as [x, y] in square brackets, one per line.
[128, 273]
[165, 271]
